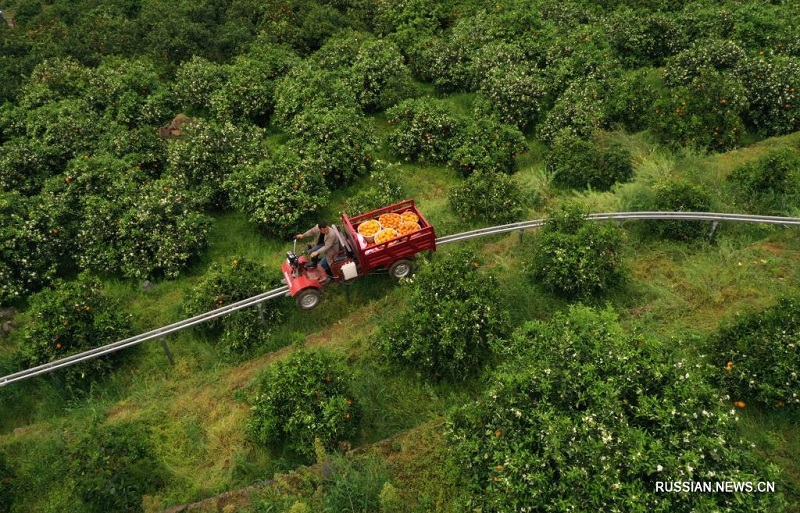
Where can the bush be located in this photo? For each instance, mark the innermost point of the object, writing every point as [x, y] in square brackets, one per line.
[120, 87]
[69, 318]
[208, 151]
[379, 75]
[452, 320]
[586, 402]
[577, 163]
[114, 467]
[279, 194]
[424, 130]
[517, 94]
[706, 113]
[30, 246]
[305, 397]
[487, 145]
[680, 196]
[383, 188]
[241, 331]
[769, 185]
[196, 80]
[308, 87]
[720, 55]
[339, 140]
[654, 37]
[490, 197]
[579, 110]
[773, 93]
[757, 357]
[577, 258]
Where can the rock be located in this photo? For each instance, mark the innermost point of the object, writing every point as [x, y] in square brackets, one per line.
[147, 285]
[8, 327]
[7, 313]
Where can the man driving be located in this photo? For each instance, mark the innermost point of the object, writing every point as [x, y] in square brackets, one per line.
[327, 244]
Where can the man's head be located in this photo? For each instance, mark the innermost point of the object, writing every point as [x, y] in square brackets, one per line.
[323, 227]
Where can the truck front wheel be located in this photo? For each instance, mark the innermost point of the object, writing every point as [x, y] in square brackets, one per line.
[308, 299]
[401, 269]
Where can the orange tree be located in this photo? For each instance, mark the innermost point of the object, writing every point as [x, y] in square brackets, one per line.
[69, 318]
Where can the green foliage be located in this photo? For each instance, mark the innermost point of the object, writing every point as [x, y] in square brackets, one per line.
[453, 319]
[340, 140]
[630, 98]
[69, 318]
[356, 484]
[584, 401]
[773, 92]
[113, 466]
[383, 188]
[652, 38]
[309, 87]
[494, 198]
[196, 80]
[487, 145]
[29, 248]
[578, 110]
[517, 94]
[241, 279]
[770, 185]
[720, 55]
[157, 224]
[577, 163]
[764, 355]
[208, 151]
[678, 195]
[280, 193]
[707, 112]
[424, 130]
[120, 88]
[304, 397]
[577, 258]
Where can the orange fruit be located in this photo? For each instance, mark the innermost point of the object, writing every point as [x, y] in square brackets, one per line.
[740, 404]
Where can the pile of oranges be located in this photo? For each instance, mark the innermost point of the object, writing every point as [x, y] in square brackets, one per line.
[369, 228]
[385, 235]
[389, 220]
[407, 227]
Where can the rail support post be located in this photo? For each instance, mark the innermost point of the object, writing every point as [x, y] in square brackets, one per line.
[521, 231]
[714, 226]
[167, 351]
[260, 307]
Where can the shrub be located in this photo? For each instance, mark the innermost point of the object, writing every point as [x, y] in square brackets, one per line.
[578, 110]
[680, 196]
[114, 466]
[307, 87]
[280, 193]
[242, 331]
[120, 87]
[517, 94]
[424, 130]
[770, 184]
[248, 90]
[577, 258]
[208, 151]
[757, 356]
[196, 80]
[340, 140]
[706, 113]
[630, 98]
[720, 55]
[586, 402]
[379, 75]
[53, 80]
[773, 93]
[383, 188]
[30, 246]
[487, 145]
[69, 318]
[302, 398]
[654, 37]
[577, 163]
[452, 320]
[491, 197]
[25, 164]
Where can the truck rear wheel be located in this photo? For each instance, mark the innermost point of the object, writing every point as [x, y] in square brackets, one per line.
[308, 299]
[401, 269]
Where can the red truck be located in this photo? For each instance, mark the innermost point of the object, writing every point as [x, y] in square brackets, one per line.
[358, 257]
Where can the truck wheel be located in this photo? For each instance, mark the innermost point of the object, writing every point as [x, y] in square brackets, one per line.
[401, 269]
[308, 299]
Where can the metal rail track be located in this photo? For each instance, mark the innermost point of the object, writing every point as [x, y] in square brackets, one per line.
[162, 332]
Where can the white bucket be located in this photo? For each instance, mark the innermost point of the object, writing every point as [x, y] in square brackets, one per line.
[349, 271]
